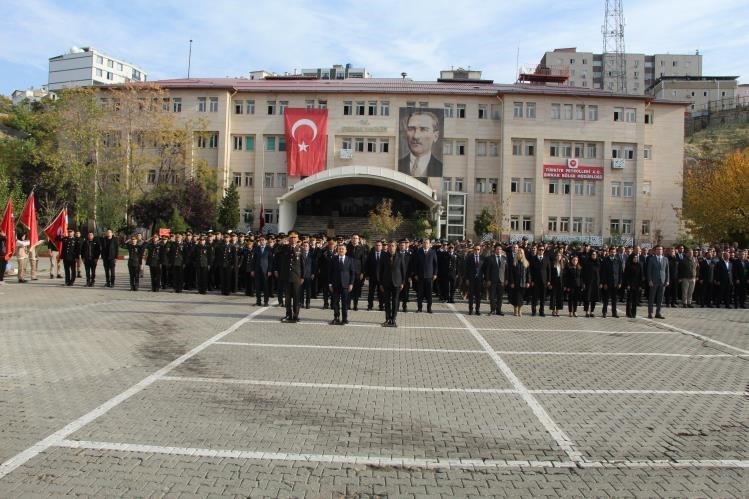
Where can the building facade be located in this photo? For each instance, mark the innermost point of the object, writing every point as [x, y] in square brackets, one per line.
[703, 93]
[559, 162]
[87, 66]
[31, 95]
[587, 69]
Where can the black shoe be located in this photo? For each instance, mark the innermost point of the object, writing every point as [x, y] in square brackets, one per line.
[616, 316]
[429, 311]
[478, 313]
[257, 304]
[500, 313]
[325, 306]
[382, 309]
[393, 324]
[385, 324]
[533, 314]
[369, 309]
[356, 308]
[541, 314]
[659, 316]
[344, 322]
[335, 322]
[307, 306]
[470, 312]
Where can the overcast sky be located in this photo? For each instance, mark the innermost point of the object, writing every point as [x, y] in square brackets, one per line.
[419, 37]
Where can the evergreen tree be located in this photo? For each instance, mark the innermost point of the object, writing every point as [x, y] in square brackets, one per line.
[228, 212]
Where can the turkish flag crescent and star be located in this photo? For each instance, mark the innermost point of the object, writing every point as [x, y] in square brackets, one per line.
[28, 219]
[58, 228]
[306, 140]
[9, 227]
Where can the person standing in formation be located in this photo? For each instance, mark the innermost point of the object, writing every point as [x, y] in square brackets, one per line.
[290, 274]
[153, 260]
[109, 250]
[134, 257]
[90, 252]
[392, 273]
[69, 256]
[475, 269]
[341, 282]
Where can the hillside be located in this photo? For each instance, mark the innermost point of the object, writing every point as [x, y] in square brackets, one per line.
[715, 142]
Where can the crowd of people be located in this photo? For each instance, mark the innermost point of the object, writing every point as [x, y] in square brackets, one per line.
[391, 275]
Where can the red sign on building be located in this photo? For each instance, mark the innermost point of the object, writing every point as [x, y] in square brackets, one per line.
[574, 171]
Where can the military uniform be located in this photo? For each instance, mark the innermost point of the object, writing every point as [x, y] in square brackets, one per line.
[290, 274]
[224, 258]
[202, 258]
[134, 257]
[154, 251]
[177, 264]
[90, 252]
[70, 253]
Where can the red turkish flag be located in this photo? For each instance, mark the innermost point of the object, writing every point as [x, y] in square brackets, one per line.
[28, 219]
[306, 140]
[58, 228]
[8, 225]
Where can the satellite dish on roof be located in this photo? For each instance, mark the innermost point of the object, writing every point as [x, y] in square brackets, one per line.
[75, 50]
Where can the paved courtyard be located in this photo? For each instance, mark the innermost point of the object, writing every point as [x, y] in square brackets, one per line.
[110, 392]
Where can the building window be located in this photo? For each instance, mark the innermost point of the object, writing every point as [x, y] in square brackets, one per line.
[237, 179]
[410, 104]
[110, 76]
[579, 189]
[527, 224]
[371, 145]
[616, 151]
[202, 104]
[588, 225]
[99, 59]
[566, 150]
[238, 142]
[372, 108]
[528, 185]
[552, 224]
[591, 151]
[309, 103]
[271, 107]
[579, 150]
[495, 111]
[447, 183]
[645, 228]
[99, 72]
[480, 148]
[385, 108]
[385, 145]
[268, 180]
[270, 143]
[629, 152]
[359, 144]
[649, 117]
[151, 178]
[282, 105]
[630, 115]
[530, 110]
[483, 112]
[346, 143]
[423, 104]
[347, 108]
[517, 109]
[281, 177]
[568, 111]
[564, 224]
[577, 225]
[248, 179]
[238, 107]
[449, 111]
[517, 148]
[618, 114]
[480, 185]
[447, 148]
[460, 148]
[110, 63]
[614, 226]
[530, 148]
[566, 187]
[515, 185]
[514, 222]
[249, 142]
[250, 106]
[459, 184]
[360, 108]
[590, 188]
[460, 110]
[554, 149]
[213, 104]
[592, 113]
[556, 111]
[281, 143]
[580, 111]
[553, 187]
[628, 189]
[493, 148]
[626, 226]
[616, 189]
[647, 152]
[322, 104]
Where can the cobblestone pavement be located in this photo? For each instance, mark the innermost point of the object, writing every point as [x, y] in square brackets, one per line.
[110, 392]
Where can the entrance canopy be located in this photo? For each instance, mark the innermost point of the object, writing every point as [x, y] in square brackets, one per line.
[353, 175]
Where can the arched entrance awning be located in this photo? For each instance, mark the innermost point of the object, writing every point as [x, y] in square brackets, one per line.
[353, 175]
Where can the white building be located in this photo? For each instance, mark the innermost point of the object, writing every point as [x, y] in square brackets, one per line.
[31, 94]
[86, 66]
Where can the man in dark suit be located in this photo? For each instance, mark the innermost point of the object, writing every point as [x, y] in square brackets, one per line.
[422, 132]
[723, 280]
[611, 280]
[357, 252]
[373, 275]
[657, 276]
[341, 282]
[540, 271]
[425, 273]
[392, 272]
[496, 274]
[740, 278]
[309, 264]
[324, 263]
[474, 275]
[109, 250]
[448, 273]
[262, 272]
[404, 250]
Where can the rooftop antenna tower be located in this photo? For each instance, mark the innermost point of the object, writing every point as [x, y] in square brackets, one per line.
[614, 59]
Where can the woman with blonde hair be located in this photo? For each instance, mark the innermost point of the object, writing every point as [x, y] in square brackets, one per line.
[556, 273]
[519, 280]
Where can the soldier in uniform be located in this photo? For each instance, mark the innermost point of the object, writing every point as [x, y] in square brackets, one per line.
[291, 275]
[189, 270]
[109, 249]
[357, 252]
[154, 251]
[90, 252]
[225, 256]
[404, 250]
[70, 253]
[324, 260]
[392, 273]
[166, 274]
[177, 259]
[309, 263]
[373, 276]
[134, 258]
[202, 258]
[247, 265]
[263, 269]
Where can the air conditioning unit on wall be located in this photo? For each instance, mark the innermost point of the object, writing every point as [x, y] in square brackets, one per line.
[617, 163]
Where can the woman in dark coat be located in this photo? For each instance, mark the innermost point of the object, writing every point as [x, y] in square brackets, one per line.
[556, 272]
[573, 285]
[633, 280]
[519, 281]
[592, 283]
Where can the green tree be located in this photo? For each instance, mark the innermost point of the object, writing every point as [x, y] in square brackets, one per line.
[228, 211]
[383, 221]
[483, 223]
[176, 222]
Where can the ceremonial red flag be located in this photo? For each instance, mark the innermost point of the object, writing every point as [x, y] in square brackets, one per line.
[306, 140]
[58, 229]
[8, 225]
[28, 219]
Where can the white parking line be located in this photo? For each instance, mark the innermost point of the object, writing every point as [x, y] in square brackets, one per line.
[561, 438]
[592, 331]
[697, 335]
[377, 325]
[620, 354]
[61, 434]
[385, 388]
[422, 463]
[340, 347]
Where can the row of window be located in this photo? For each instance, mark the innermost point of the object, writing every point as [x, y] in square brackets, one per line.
[569, 112]
[112, 64]
[579, 112]
[270, 180]
[565, 186]
[580, 225]
[362, 144]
